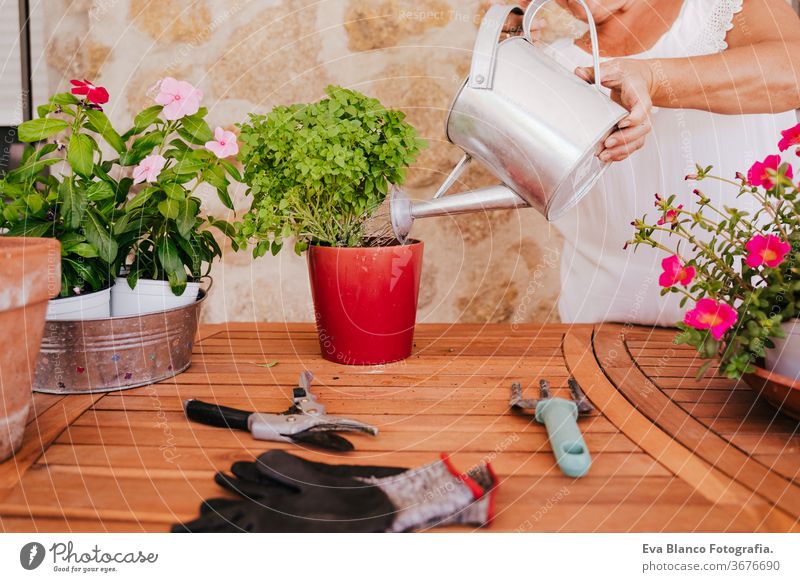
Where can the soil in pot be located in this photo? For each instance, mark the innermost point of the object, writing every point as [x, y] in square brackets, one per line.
[30, 273]
[148, 296]
[365, 301]
[95, 305]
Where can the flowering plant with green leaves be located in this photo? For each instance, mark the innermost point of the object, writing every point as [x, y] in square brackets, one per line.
[77, 204]
[148, 225]
[738, 269]
[317, 172]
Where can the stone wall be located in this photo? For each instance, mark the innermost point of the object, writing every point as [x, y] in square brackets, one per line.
[251, 55]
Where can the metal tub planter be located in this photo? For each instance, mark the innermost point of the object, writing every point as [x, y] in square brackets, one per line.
[117, 353]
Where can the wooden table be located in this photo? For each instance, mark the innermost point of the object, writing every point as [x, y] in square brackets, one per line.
[670, 453]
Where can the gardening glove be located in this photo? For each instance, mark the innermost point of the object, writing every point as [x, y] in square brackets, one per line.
[285, 493]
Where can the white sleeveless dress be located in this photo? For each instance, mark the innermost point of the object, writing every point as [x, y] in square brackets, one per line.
[599, 280]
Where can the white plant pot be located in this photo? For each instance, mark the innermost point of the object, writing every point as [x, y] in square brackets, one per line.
[148, 296]
[784, 358]
[95, 305]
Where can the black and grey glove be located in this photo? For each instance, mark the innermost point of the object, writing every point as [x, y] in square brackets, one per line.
[283, 493]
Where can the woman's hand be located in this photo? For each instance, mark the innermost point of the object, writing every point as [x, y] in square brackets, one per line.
[631, 83]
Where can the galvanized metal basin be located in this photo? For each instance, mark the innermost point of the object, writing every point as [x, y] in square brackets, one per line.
[117, 353]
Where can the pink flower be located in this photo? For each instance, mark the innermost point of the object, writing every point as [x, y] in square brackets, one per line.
[149, 169]
[224, 143]
[671, 216]
[179, 98]
[92, 92]
[766, 250]
[758, 174]
[674, 272]
[790, 137]
[711, 314]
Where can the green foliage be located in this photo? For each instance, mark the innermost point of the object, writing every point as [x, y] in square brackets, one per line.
[107, 225]
[160, 230]
[713, 240]
[75, 206]
[318, 171]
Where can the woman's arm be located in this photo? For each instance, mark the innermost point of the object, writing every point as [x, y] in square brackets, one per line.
[758, 73]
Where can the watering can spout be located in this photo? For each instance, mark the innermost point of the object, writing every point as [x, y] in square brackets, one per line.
[404, 211]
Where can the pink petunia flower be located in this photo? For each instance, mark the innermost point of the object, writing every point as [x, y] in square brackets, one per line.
[224, 143]
[758, 174]
[93, 93]
[766, 250]
[790, 137]
[675, 273]
[149, 169]
[179, 98]
[671, 216]
[712, 315]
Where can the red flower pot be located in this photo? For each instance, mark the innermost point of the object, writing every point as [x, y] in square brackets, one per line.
[365, 301]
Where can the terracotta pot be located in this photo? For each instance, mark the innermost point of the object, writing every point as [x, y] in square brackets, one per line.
[365, 301]
[30, 274]
[781, 391]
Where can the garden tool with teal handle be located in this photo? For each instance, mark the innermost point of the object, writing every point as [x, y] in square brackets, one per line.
[560, 416]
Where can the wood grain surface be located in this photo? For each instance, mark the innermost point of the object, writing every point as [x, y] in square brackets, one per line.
[670, 452]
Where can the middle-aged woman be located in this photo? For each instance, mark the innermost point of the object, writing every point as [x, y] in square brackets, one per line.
[705, 81]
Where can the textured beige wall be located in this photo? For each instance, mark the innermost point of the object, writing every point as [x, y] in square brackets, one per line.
[251, 55]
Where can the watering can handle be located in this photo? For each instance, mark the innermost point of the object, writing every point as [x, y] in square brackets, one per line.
[527, 21]
[484, 54]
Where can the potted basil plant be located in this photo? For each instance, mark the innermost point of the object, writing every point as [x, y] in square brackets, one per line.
[165, 246]
[62, 190]
[318, 173]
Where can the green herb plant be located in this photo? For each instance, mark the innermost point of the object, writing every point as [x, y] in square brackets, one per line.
[317, 172]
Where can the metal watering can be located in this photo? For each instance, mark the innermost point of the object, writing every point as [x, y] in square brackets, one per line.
[534, 124]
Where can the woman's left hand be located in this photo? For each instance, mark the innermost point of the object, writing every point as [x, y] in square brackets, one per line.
[631, 84]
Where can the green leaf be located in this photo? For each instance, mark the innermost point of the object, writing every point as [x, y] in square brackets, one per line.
[99, 191]
[141, 148]
[267, 365]
[99, 123]
[169, 208]
[225, 228]
[231, 169]
[141, 197]
[64, 99]
[146, 117]
[195, 129]
[173, 190]
[80, 154]
[31, 228]
[177, 281]
[30, 169]
[83, 249]
[73, 203]
[133, 278]
[39, 129]
[168, 256]
[98, 236]
[225, 198]
[187, 217]
[188, 166]
[35, 202]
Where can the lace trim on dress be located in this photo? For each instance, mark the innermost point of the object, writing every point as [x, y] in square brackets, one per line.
[716, 29]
